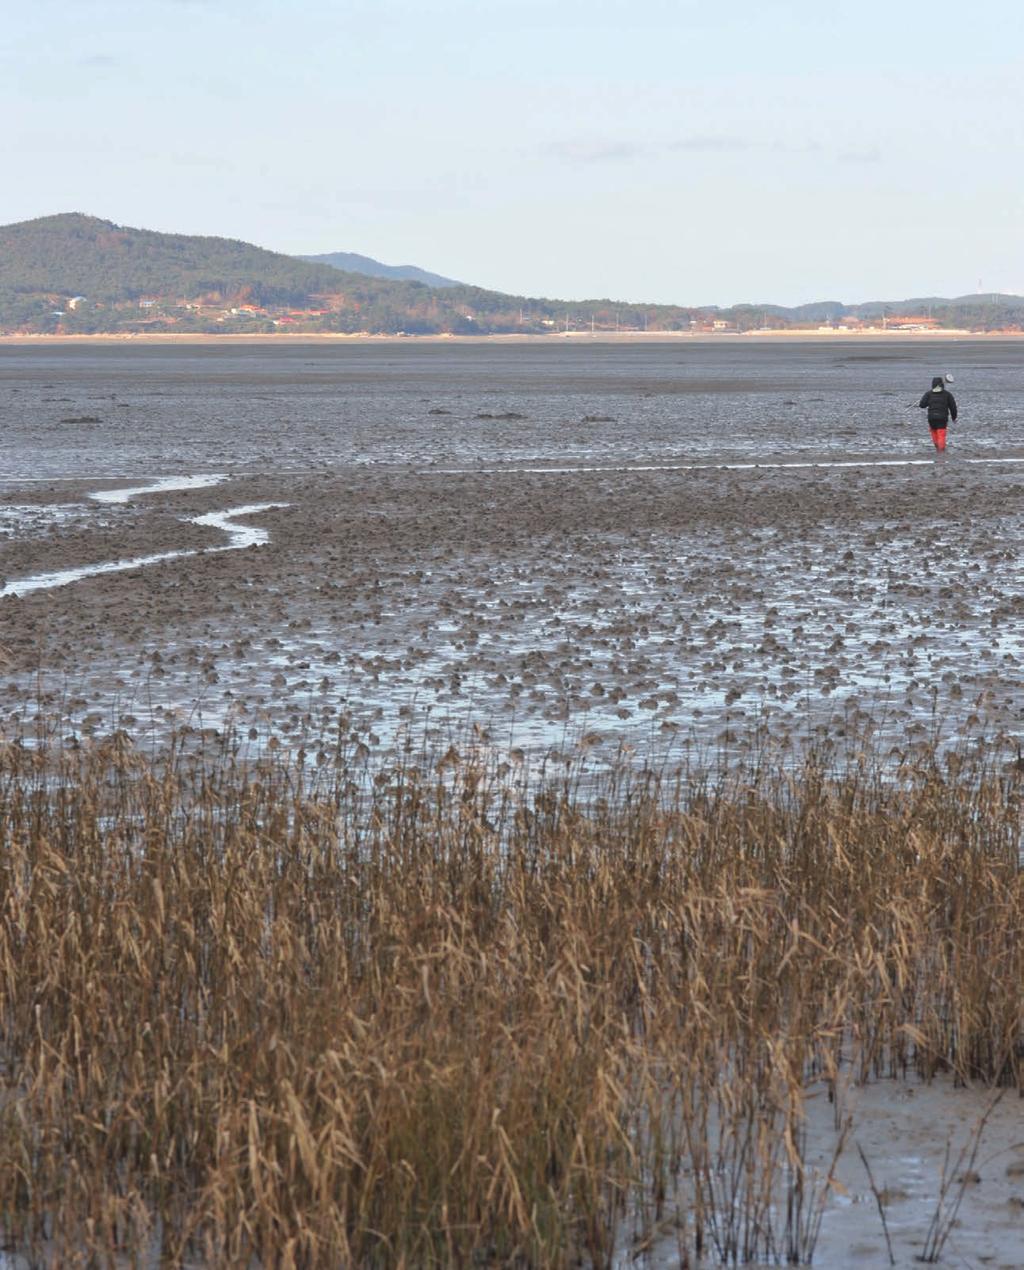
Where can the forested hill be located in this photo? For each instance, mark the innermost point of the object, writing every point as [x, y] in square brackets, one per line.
[82, 255]
[74, 274]
[352, 262]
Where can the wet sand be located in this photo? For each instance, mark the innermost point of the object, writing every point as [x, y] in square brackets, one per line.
[904, 1128]
[671, 548]
[283, 339]
[653, 606]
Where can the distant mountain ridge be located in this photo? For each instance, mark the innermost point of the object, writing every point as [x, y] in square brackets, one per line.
[830, 310]
[77, 274]
[352, 262]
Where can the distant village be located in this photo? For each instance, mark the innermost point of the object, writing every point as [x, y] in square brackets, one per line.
[156, 313]
[78, 315]
[352, 313]
[901, 323]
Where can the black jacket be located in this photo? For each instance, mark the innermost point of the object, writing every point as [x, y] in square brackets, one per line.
[940, 404]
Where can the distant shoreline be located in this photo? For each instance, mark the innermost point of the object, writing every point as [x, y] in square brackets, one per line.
[576, 337]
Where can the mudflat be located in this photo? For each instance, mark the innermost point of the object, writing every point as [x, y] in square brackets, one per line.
[642, 544]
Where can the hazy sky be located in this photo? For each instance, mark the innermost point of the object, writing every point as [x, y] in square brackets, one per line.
[668, 150]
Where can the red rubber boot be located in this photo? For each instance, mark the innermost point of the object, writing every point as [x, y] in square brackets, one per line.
[939, 437]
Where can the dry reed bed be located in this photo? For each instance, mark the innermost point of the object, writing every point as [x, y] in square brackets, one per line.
[408, 1015]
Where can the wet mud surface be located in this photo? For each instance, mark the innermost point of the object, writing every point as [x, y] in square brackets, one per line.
[905, 1128]
[713, 556]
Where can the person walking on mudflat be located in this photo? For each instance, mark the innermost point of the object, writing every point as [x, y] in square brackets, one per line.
[941, 406]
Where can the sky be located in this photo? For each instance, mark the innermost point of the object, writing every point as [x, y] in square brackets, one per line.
[657, 150]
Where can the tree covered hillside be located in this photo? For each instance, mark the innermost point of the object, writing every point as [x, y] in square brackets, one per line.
[81, 255]
[75, 274]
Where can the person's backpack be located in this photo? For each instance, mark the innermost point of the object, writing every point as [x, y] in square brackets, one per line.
[938, 406]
